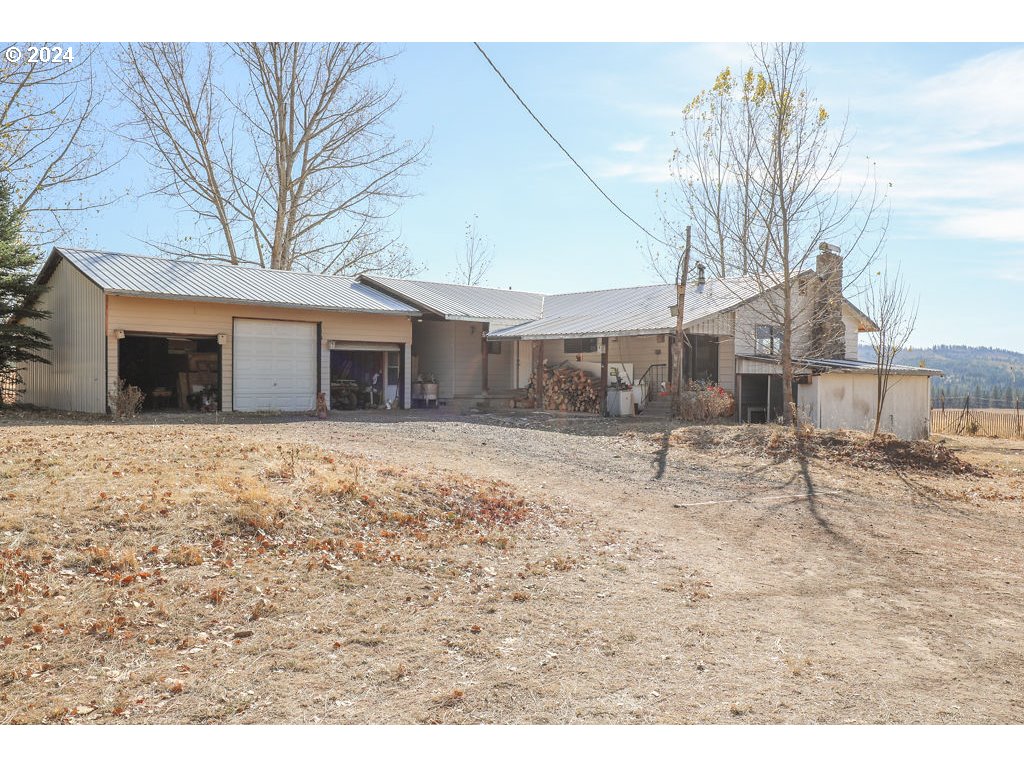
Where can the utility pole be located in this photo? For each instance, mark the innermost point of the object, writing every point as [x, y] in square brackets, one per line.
[678, 346]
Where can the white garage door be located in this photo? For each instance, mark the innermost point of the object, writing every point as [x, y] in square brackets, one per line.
[274, 365]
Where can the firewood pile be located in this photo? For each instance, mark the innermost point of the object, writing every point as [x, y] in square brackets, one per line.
[566, 389]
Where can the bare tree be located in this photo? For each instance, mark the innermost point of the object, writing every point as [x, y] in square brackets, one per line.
[476, 258]
[758, 173]
[281, 150]
[51, 151]
[887, 301]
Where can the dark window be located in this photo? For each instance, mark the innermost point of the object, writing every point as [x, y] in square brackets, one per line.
[493, 347]
[577, 346]
[767, 339]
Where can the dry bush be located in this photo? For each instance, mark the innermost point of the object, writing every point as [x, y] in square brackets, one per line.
[126, 401]
[856, 449]
[703, 401]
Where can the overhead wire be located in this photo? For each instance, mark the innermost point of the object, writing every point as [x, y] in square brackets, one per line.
[566, 152]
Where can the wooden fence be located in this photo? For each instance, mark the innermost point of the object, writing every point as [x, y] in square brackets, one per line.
[968, 421]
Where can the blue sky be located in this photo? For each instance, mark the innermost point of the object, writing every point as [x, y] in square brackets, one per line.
[942, 123]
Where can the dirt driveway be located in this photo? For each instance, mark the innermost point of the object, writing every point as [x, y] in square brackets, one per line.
[745, 588]
[883, 597]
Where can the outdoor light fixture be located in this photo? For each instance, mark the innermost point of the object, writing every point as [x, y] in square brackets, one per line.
[118, 334]
[330, 345]
[222, 339]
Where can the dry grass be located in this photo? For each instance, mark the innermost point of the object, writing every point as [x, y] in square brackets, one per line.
[183, 579]
[703, 576]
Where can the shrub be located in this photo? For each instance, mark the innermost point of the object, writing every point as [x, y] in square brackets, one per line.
[126, 401]
[705, 401]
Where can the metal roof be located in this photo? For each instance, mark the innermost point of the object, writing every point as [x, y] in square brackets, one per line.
[462, 302]
[848, 366]
[126, 275]
[638, 311]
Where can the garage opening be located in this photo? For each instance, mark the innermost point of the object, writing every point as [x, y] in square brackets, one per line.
[366, 376]
[174, 372]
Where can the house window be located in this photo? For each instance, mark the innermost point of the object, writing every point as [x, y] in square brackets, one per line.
[493, 347]
[767, 339]
[577, 346]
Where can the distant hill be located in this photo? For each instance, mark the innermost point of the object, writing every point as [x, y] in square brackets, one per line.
[994, 378]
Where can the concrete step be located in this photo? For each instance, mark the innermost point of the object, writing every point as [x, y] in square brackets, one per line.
[659, 406]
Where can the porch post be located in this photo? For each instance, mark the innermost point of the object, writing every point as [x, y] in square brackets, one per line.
[483, 353]
[603, 406]
[538, 373]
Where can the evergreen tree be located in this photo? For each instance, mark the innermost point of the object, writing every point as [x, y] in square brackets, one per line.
[19, 342]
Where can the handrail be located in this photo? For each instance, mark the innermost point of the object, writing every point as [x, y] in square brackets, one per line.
[652, 380]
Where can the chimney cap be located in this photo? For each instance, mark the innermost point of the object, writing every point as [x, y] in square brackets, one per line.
[829, 248]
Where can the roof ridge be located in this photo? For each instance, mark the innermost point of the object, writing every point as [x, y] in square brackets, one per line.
[689, 284]
[211, 263]
[505, 291]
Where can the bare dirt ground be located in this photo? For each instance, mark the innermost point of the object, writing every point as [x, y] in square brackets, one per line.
[412, 567]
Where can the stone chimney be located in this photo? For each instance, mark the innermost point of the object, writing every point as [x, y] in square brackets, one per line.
[700, 276]
[828, 333]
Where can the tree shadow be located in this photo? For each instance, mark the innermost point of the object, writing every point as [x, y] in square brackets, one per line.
[661, 455]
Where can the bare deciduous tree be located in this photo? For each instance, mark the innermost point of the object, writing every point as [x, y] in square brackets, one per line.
[887, 301]
[476, 258]
[51, 153]
[758, 173]
[281, 149]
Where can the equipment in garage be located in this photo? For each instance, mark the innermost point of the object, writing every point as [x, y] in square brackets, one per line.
[365, 375]
[172, 371]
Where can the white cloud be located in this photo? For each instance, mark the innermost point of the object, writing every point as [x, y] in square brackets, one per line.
[992, 225]
[982, 100]
[641, 171]
[631, 147]
[952, 146]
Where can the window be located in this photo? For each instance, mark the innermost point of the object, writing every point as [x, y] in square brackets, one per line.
[394, 367]
[493, 347]
[767, 339]
[577, 346]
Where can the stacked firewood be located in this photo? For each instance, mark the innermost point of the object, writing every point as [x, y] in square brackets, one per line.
[566, 389]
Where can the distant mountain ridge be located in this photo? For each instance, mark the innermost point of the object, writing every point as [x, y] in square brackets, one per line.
[994, 378]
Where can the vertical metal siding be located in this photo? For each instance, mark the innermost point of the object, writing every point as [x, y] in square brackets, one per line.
[74, 380]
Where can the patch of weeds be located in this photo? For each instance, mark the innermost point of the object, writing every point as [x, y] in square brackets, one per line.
[185, 556]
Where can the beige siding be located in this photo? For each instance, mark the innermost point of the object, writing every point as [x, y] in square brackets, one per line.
[74, 380]
[722, 324]
[765, 310]
[852, 335]
[727, 363]
[450, 349]
[501, 368]
[207, 318]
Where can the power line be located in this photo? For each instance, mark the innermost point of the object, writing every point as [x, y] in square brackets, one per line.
[566, 151]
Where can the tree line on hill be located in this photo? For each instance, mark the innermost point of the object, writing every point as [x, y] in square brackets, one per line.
[989, 377]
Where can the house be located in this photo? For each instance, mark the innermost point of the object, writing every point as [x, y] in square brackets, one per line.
[243, 339]
[236, 338]
[484, 341]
